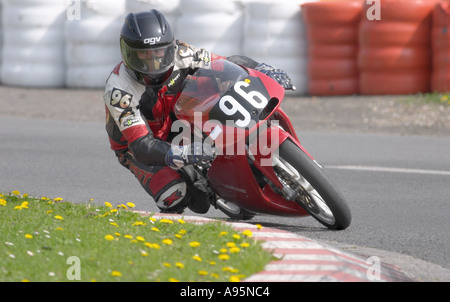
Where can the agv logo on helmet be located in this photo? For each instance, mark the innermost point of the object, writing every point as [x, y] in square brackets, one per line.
[152, 40]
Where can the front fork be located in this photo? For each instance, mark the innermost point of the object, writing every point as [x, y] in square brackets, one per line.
[274, 170]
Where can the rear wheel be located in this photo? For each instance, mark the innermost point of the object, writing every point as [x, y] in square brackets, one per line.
[306, 183]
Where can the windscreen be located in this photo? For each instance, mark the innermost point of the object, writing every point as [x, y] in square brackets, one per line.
[203, 88]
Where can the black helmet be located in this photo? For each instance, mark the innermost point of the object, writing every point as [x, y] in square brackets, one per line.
[147, 46]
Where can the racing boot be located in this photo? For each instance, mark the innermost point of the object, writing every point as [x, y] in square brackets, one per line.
[199, 201]
[200, 195]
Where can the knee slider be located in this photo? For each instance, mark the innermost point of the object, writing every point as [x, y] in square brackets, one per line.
[174, 199]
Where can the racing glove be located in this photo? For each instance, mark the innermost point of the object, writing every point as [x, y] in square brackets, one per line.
[277, 74]
[196, 153]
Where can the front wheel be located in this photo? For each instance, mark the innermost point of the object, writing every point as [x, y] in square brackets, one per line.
[307, 184]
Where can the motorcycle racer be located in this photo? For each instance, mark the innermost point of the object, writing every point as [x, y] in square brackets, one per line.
[139, 95]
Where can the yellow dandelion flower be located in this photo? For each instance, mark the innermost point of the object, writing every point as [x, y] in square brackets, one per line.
[231, 244]
[17, 208]
[166, 221]
[28, 236]
[3, 202]
[137, 223]
[44, 198]
[194, 244]
[214, 275]
[236, 236]
[179, 264]
[58, 229]
[128, 236]
[25, 204]
[140, 238]
[152, 219]
[181, 221]
[117, 234]
[212, 262]
[25, 195]
[223, 251]
[245, 244]
[203, 273]
[116, 274]
[178, 236]
[166, 264]
[144, 253]
[49, 212]
[25, 280]
[259, 226]
[109, 237]
[247, 233]
[223, 233]
[152, 245]
[167, 241]
[230, 269]
[57, 199]
[15, 192]
[113, 211]
[108, 205]
[114, 224]
[155, 229]
[197, 258]
[59, 217]
[234, 279]
[234, 250]
[182, 232]
[173, 280]
[224, 257]
[130, 204]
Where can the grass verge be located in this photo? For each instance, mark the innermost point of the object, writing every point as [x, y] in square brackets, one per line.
[437, 98]
[48, 240]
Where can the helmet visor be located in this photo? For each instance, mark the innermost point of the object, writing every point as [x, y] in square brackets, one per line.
[150, 61]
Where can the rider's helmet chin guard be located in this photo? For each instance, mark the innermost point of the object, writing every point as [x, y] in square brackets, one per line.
[147, 46]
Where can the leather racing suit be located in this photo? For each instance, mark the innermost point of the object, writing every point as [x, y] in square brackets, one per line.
[138, 123]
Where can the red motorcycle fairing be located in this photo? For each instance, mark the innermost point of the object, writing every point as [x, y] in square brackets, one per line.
[239, 184]
[231, 175]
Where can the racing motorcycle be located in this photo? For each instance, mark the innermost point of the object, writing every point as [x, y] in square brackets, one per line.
[260, 167]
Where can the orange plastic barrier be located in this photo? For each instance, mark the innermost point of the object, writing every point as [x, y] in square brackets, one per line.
[395, 52]
[440, 39]
[332, 32]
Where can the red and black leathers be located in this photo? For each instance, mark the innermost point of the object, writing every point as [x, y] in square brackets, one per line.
[139, 120]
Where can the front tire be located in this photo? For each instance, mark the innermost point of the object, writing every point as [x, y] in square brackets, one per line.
[310, 187]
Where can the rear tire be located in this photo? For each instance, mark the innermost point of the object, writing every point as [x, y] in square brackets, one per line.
[314, 190]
